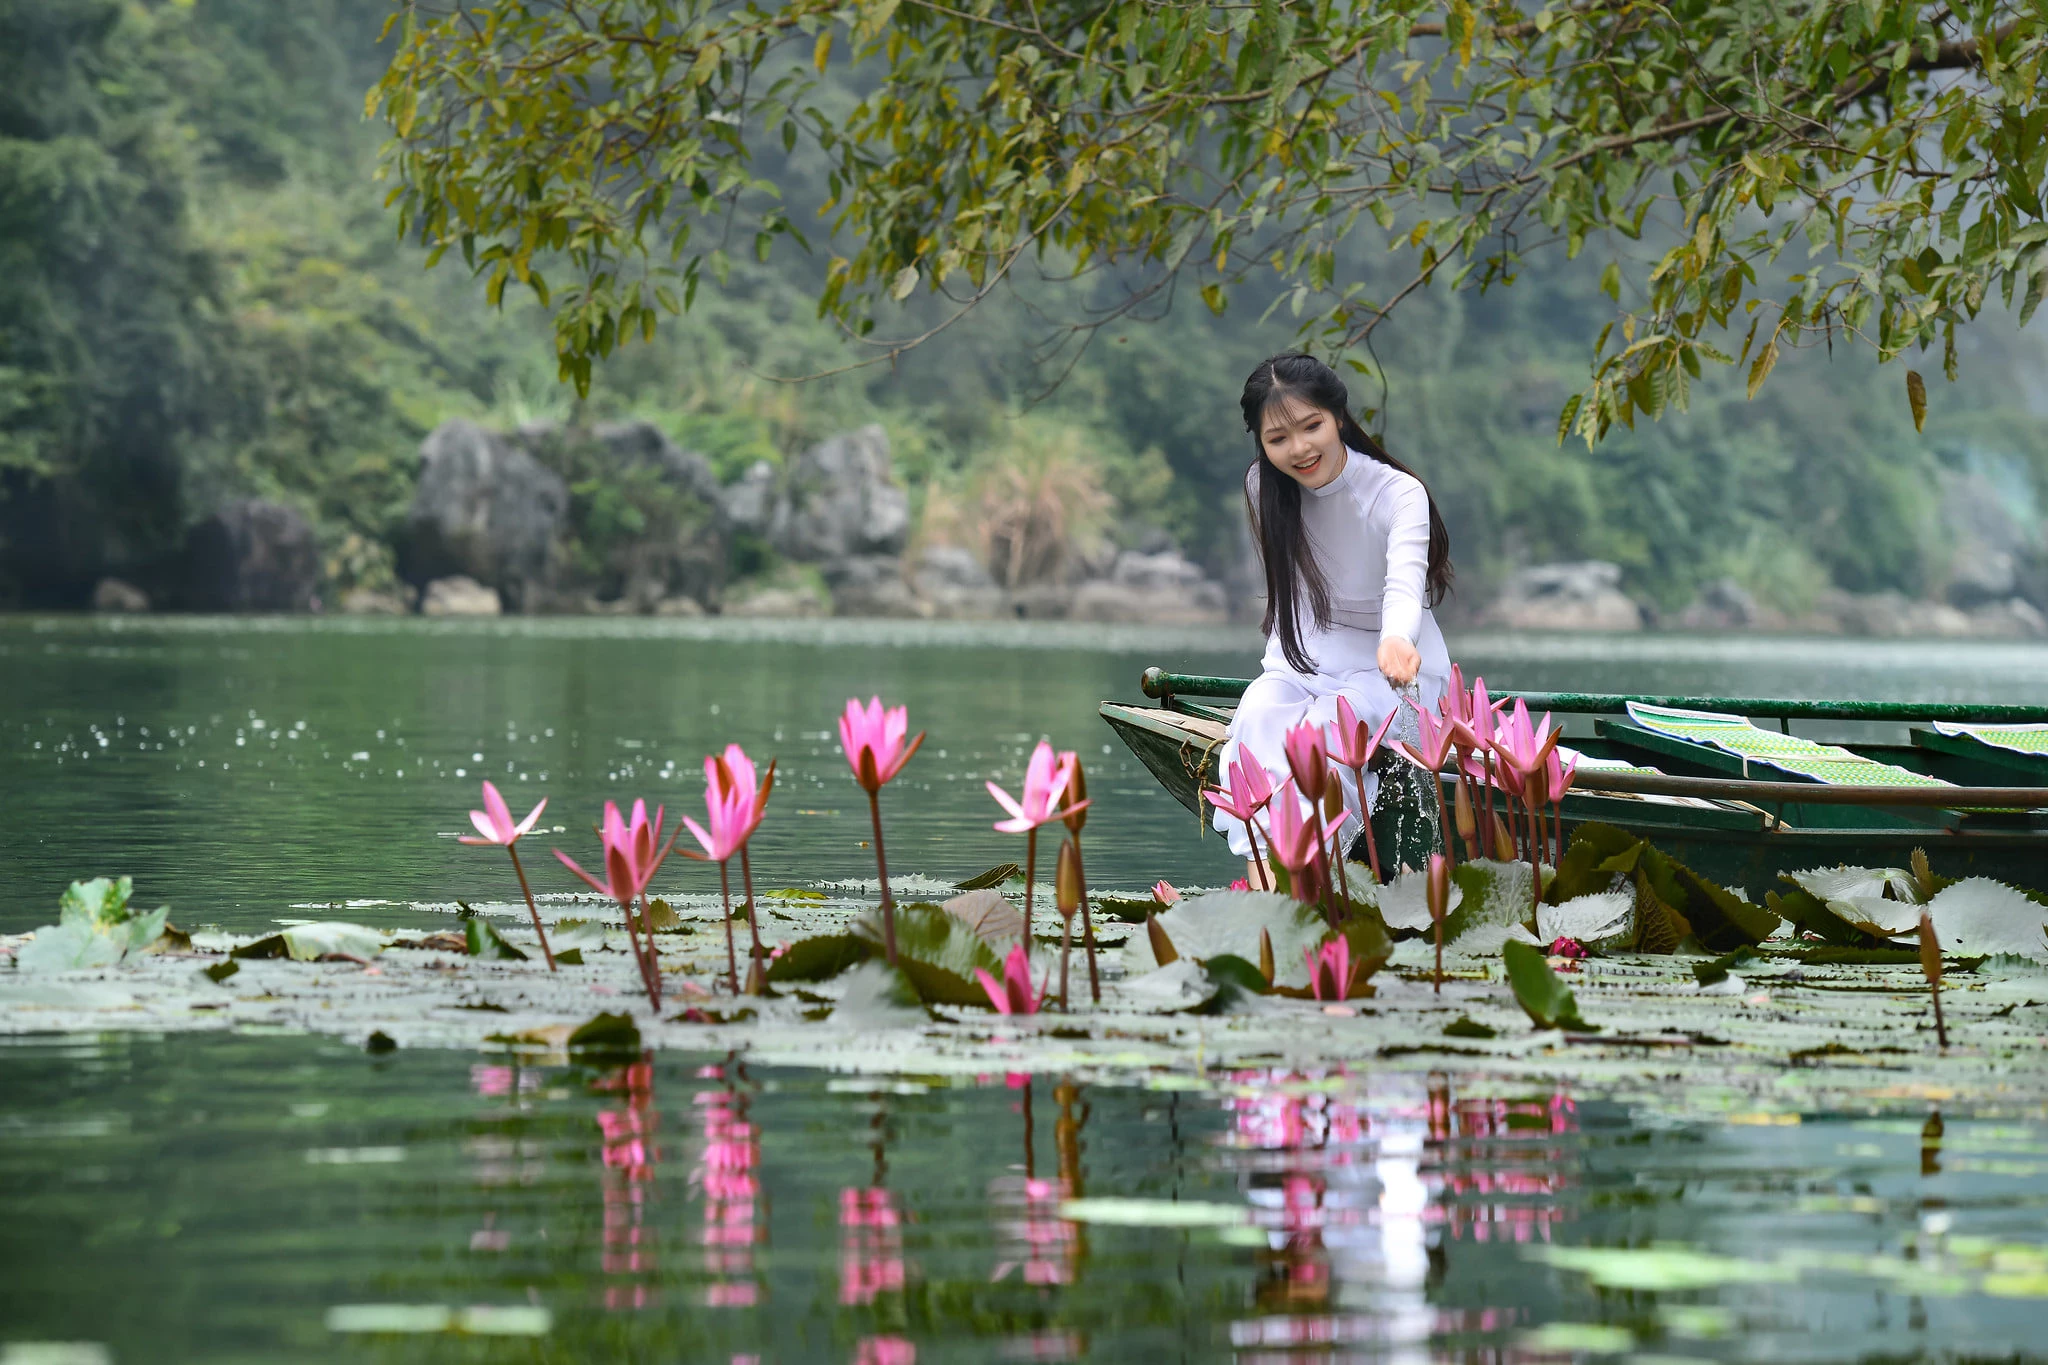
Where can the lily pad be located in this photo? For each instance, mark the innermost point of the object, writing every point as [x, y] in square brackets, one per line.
[878, 996]
[820, 957]
[95, 928]
[1493, 910]
[990, 914]
[486, 942]
[606, 1035]
[1659, 1268]
[929, 934]
[1548, 1002]
[994, 877]
[1978, 915]
[1404, 902]
[1176, 987]
[1605, 920]
[1228, 922]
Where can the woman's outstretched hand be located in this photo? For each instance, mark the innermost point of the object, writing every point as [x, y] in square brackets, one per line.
[1398, 660]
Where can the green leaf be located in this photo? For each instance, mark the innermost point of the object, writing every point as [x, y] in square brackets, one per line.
[928, 934]
[221, 971]
[1232, 970]
[879, 996]
[1466, 1027]
[820, 958]
[1217, 923]
[937, 986]
[1916, 399]
[994, 877]
[1547, 1001]
[606, 1035]
[487, 942]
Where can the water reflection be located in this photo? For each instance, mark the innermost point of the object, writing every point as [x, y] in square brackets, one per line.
[727, 1178]
[630, 1154]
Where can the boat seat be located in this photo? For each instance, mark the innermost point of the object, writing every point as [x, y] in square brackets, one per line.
[1802, 758]
[2009, 748]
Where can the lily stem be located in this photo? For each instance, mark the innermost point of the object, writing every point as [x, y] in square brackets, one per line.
[1372, 851]
[753, 921]
[732, 963]
[882, 867]
[1030, 880]
[1066, 947]
[546, 952]
[1087, 926]
[644, 957]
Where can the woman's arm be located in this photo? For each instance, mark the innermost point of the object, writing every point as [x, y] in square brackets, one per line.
[1406, 509]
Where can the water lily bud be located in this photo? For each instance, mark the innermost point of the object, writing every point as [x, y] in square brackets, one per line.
[1467, 821]
[1930, 951]
[1503, 842]
[1438, 886]
[1066, 883]
[1077, 792]
[1333, 800]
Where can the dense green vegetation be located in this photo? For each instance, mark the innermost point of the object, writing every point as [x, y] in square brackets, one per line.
[202, 295]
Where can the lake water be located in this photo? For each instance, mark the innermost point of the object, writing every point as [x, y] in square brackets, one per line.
[220, 1198]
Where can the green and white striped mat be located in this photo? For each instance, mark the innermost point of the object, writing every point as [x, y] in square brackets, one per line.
[1736, 735]
[2022, 739]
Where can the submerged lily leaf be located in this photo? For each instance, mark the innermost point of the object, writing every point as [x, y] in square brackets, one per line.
[487, 942]
[1659, 1268]
[1228, 922]
[1548, 1002]
[1154, 1213]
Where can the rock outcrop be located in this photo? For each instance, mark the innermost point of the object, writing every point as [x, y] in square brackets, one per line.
[252, 555]
[1163, 589]
[840, 499]
[1583, 596]
[951, 583]
[117, 596]
[487, 510]
[459, 595]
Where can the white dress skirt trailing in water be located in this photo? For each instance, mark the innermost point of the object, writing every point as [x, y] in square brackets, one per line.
[1369, 531]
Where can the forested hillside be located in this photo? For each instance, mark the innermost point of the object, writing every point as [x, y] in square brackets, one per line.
[202, 297]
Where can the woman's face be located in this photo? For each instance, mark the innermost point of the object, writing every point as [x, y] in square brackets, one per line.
[1302, 441]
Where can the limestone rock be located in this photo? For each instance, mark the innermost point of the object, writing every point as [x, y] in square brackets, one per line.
[371, 602]
[840, 499]
[485, 510]
[872, 585]
[114, 595]
[951, 583]
[1725, 604]
[1152, 589]
[252, 555]
[459, 595]
[782, 594]
[1583, 596]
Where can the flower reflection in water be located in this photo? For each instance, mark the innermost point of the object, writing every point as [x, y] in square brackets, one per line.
[1030, 1234]
[1499, 1164]
[499, 1159]
[1358, 1197]
[884, 1351]
[870, 1246]
[727, 1175]
[630, 1153]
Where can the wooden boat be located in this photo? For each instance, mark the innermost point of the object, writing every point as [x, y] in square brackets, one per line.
[1970, 785]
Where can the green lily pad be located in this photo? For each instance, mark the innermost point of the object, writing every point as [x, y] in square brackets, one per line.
[1228, 922]
[994, 877]
[221, 971]
[1548, 1002]
[606, 1035]
[1659, 1268]
[487, 942]
[1154, 1213]
[820, 957]
[927, 933]
[877, 997]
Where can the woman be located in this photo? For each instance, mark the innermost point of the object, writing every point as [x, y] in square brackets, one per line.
[1355, 555]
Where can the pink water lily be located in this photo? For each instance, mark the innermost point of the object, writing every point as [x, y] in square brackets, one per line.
[1298, 841]
[1308, 758]
[494, 821]
[633, 854]
[1355, 745]
[872, 738]
[735, 804]
[494, 824]
[1331, 972]
[1247, 791]
[1013, 995]
[1045, 783]
[1166, 893]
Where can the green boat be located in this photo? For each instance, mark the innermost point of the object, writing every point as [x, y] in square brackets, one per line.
[1723, 784]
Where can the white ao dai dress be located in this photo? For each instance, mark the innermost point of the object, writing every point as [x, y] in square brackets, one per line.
[1369, 531]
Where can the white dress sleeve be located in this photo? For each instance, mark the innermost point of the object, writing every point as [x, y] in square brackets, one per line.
[1406, 510]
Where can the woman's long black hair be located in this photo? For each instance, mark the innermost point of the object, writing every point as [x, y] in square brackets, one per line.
[1291, 569]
